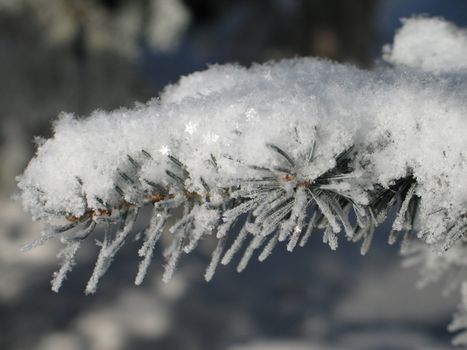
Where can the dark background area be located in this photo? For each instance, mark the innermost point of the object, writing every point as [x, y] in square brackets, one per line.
[77, 56]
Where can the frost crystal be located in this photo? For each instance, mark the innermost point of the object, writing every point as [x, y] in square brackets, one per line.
[257, 156]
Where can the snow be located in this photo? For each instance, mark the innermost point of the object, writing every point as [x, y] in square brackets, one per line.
[431, 44]
[248, 148]
[399, 120]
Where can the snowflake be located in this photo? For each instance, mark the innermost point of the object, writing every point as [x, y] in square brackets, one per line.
[251, 114]
[165, 150]
[190, 127]
[211, 137]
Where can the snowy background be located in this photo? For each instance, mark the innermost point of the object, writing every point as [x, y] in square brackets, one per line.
[58, 55]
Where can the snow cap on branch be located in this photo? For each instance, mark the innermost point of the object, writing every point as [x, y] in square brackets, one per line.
[431, 44]
[270, 152]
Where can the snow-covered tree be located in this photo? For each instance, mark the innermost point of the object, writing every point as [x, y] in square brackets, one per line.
[255, 157]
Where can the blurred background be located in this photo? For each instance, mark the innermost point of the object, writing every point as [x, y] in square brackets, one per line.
[80, 55]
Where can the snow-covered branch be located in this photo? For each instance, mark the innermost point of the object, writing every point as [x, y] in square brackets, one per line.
[258, 156]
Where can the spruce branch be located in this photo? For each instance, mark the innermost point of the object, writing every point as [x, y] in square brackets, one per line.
[255, 158]
[276, 204]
